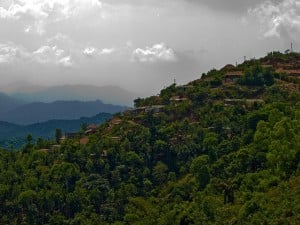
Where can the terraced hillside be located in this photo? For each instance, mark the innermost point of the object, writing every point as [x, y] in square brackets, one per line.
[223, 149]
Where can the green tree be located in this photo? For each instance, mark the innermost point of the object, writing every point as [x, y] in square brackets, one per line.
[256, 75]
[29, 139]
[160, 172]
[199, 168]
[58, 135]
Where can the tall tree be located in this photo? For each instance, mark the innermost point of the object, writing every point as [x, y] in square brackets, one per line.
[58, 135]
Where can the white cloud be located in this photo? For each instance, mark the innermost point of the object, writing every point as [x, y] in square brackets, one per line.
[92, 51]
[44, 55]
[41, 9]
[89, 51]
[6, 53]
[107, 51]
[37, 14]
[158, 52]
[52, 55]
[49, 54]
[10, 52]
[281, 19]
[66, 61]
[19, 8]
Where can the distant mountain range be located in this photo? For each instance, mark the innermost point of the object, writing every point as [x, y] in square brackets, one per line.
[40, 110]
[65, 110]
[8, 103]
[34, 93]
[16, 134]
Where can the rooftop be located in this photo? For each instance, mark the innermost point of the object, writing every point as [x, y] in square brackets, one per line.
[233, 73]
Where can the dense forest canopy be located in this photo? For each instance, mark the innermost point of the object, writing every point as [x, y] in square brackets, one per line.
[215, 151]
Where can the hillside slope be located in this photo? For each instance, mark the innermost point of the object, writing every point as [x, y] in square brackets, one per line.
[223, 149]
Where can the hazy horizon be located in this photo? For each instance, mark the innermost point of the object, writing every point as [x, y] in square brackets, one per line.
[140, 46]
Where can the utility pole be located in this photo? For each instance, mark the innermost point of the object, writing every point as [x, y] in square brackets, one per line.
[244, 58]
[291, 46]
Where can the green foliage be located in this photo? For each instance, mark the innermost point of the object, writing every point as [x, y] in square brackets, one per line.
[216, 77]
[58, 135]
[199, 168]
[257, 76]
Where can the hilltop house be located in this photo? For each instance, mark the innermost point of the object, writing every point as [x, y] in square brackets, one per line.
[290, 73]
[285, 66]
[115, 121]
[71, 135]
[233, 76]
[145, 109]
[267, 66]
[115, 138]
[293, 73]
[247, 102]
[228, 67]
[84, 140]
[154, 108]
[135, 111]
[178, 99]
[67, 136]
[91, 129]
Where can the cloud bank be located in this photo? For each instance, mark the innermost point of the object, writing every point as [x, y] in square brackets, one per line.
[140, 45]
[36, 15]
[11, 53]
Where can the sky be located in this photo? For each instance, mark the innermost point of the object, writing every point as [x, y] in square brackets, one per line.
[139, 45]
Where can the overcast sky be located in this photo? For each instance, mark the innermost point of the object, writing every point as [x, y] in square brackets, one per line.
[140, 45]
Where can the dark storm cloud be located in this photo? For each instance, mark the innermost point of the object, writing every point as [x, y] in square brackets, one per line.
[239, 6]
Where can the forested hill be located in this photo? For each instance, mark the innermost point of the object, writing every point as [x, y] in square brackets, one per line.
[223, 149]
[14, 136]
